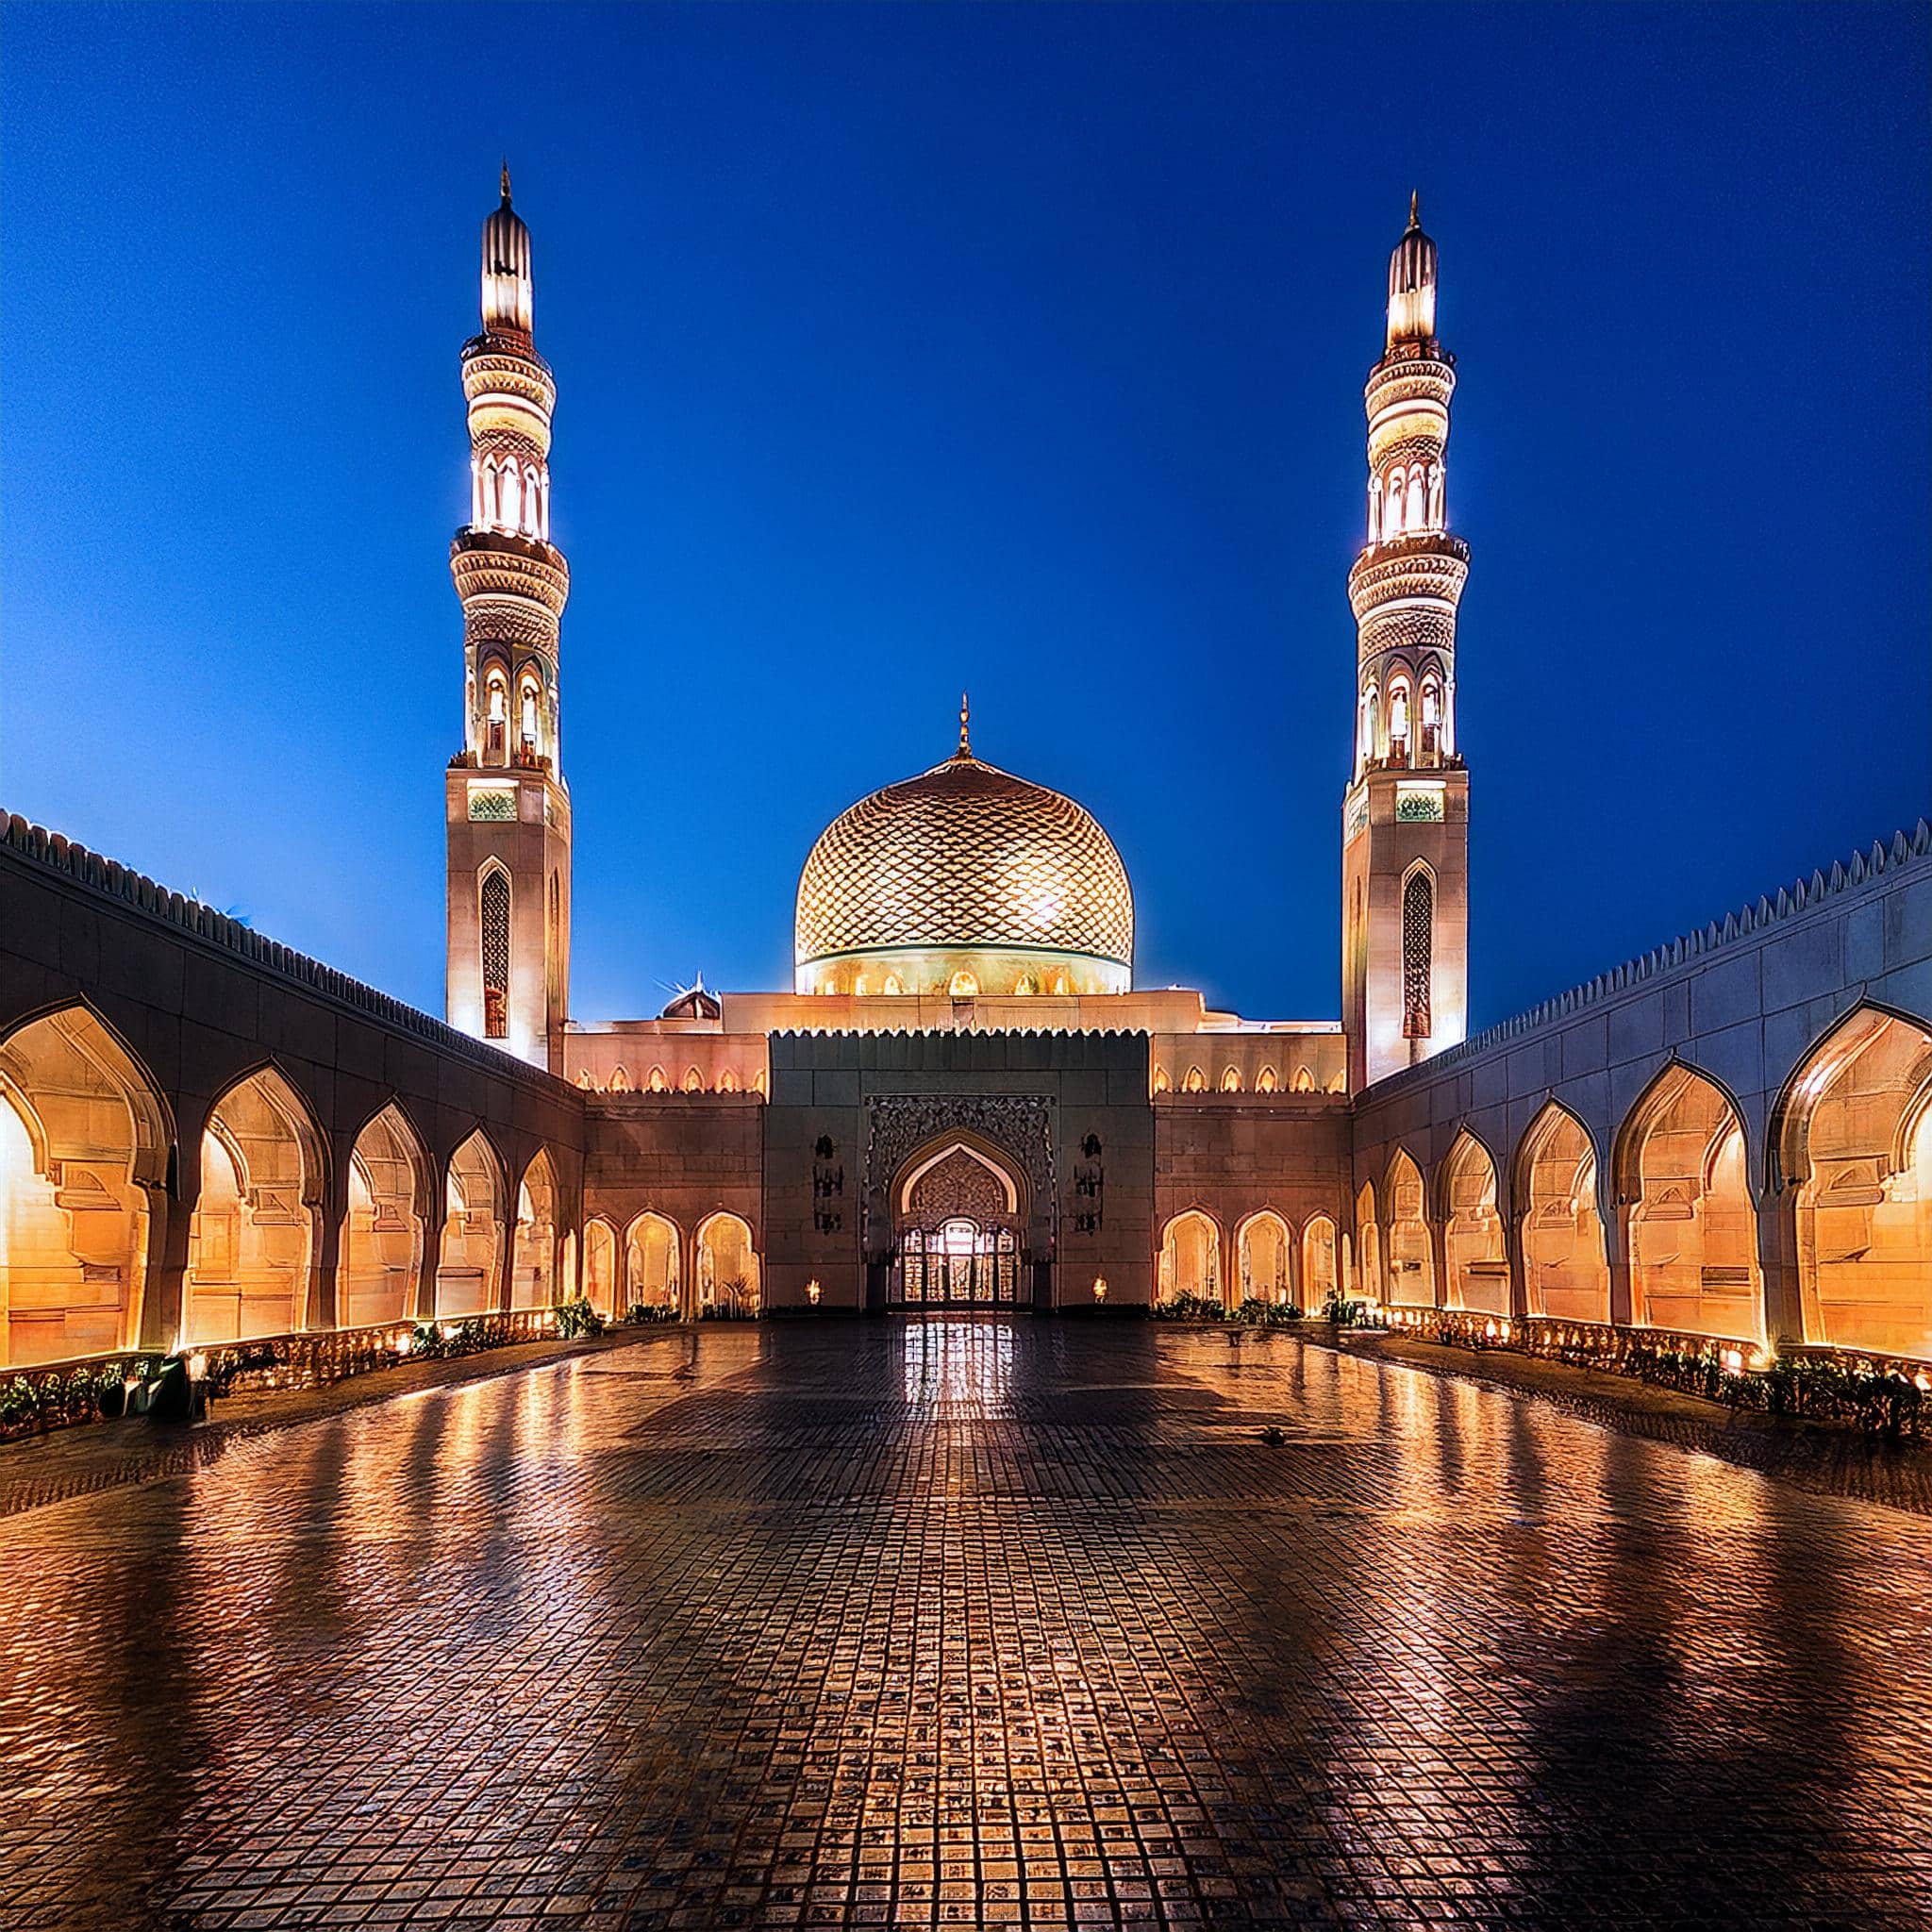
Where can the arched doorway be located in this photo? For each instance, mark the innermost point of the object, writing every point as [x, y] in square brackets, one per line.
[728, 1266]
[533, 1247]
[381, 1263]
[1367, 1243]
[651, 1255]
[1263, 1246]
[1190, 1257]
[1856, 1137]
[1411, 1255]
[466, 1276]
[83, 1159]
[1474, 1257]
[251, 1238]
[1692, 1228]
[956, 1227]
[1565, 1273]
[600, 1267]
[1321, 1273]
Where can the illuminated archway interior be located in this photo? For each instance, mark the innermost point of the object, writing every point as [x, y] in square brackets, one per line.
[466, 1277]
[1693, 1260]
[1859, 1132]
[83, 1153]
[381, 1267]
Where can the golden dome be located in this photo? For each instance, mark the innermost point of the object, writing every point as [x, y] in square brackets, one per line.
[969, 879]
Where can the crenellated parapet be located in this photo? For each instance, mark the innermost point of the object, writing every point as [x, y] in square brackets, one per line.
[1881, 862]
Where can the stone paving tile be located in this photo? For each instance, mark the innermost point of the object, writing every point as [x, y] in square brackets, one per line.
[971, 1623]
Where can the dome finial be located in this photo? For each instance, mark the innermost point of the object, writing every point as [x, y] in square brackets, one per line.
[1415, 195]
[965, 721]
[505, 180]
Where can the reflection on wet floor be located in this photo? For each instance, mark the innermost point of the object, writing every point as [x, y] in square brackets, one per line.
[968, 1621]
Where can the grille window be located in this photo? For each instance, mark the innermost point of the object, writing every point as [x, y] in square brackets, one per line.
[1418, 936]
[496, 944]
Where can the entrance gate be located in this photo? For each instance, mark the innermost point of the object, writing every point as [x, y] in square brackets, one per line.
[960, 1264]
[957, 1233]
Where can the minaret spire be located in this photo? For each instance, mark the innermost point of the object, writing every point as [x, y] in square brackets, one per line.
[508, 809]
[1405, 817]
[1415, 195]
[965, 750]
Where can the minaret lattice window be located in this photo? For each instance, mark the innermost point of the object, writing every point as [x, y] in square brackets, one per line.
[494, 941]
[1418, 954]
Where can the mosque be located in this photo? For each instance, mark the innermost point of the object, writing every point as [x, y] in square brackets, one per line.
[964, 1100]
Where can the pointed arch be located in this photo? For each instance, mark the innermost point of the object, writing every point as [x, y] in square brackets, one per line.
[1231, 1080]
[693, 1081]
[727, 1081]
[1475, 1251]
[1566, 1270]
[1264, 1248]
[1321, 1268]
[1160, 1080]
[1411, 1253]
[1006, 1173]
[1304, 1080]
[380, 1269]
[469, 1268]
[84, 1142]
[620, 1079]
[1191, 1257]
[1196, 1081]
[256, 1224]
[728, 1264]
[1264, 1081]
[657, 1082]
[600, 1267]
[653, 1262]
[534, 1245]
[1368, 1242]
[1852, 1130]
[1690, 1225]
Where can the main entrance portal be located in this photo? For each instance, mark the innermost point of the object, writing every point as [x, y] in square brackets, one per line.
[957, 1233]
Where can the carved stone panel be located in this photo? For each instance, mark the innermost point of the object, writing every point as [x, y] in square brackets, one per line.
[1020, 1125]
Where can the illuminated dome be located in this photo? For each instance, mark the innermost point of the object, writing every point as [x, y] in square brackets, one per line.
[964, 881]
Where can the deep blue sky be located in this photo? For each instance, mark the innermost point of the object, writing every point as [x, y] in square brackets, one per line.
[1018, 348]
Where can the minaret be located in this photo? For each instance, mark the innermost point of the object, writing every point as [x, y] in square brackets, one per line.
[508, 811]
[1404, 841]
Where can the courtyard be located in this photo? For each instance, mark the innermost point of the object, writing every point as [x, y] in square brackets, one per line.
[980, 1621]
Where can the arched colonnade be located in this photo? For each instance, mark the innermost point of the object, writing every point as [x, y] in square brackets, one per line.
[1817, 1228]
[130, 1218]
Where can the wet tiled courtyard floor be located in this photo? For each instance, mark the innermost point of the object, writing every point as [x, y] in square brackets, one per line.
[963, 1622]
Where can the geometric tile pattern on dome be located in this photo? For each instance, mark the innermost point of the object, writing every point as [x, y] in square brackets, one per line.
[963, 1622]
[965, 854]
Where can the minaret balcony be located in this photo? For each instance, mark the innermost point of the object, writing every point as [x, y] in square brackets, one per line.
[501, 563]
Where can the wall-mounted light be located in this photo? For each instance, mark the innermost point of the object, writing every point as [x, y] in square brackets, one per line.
[1100, 1287]
[812, 1292]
